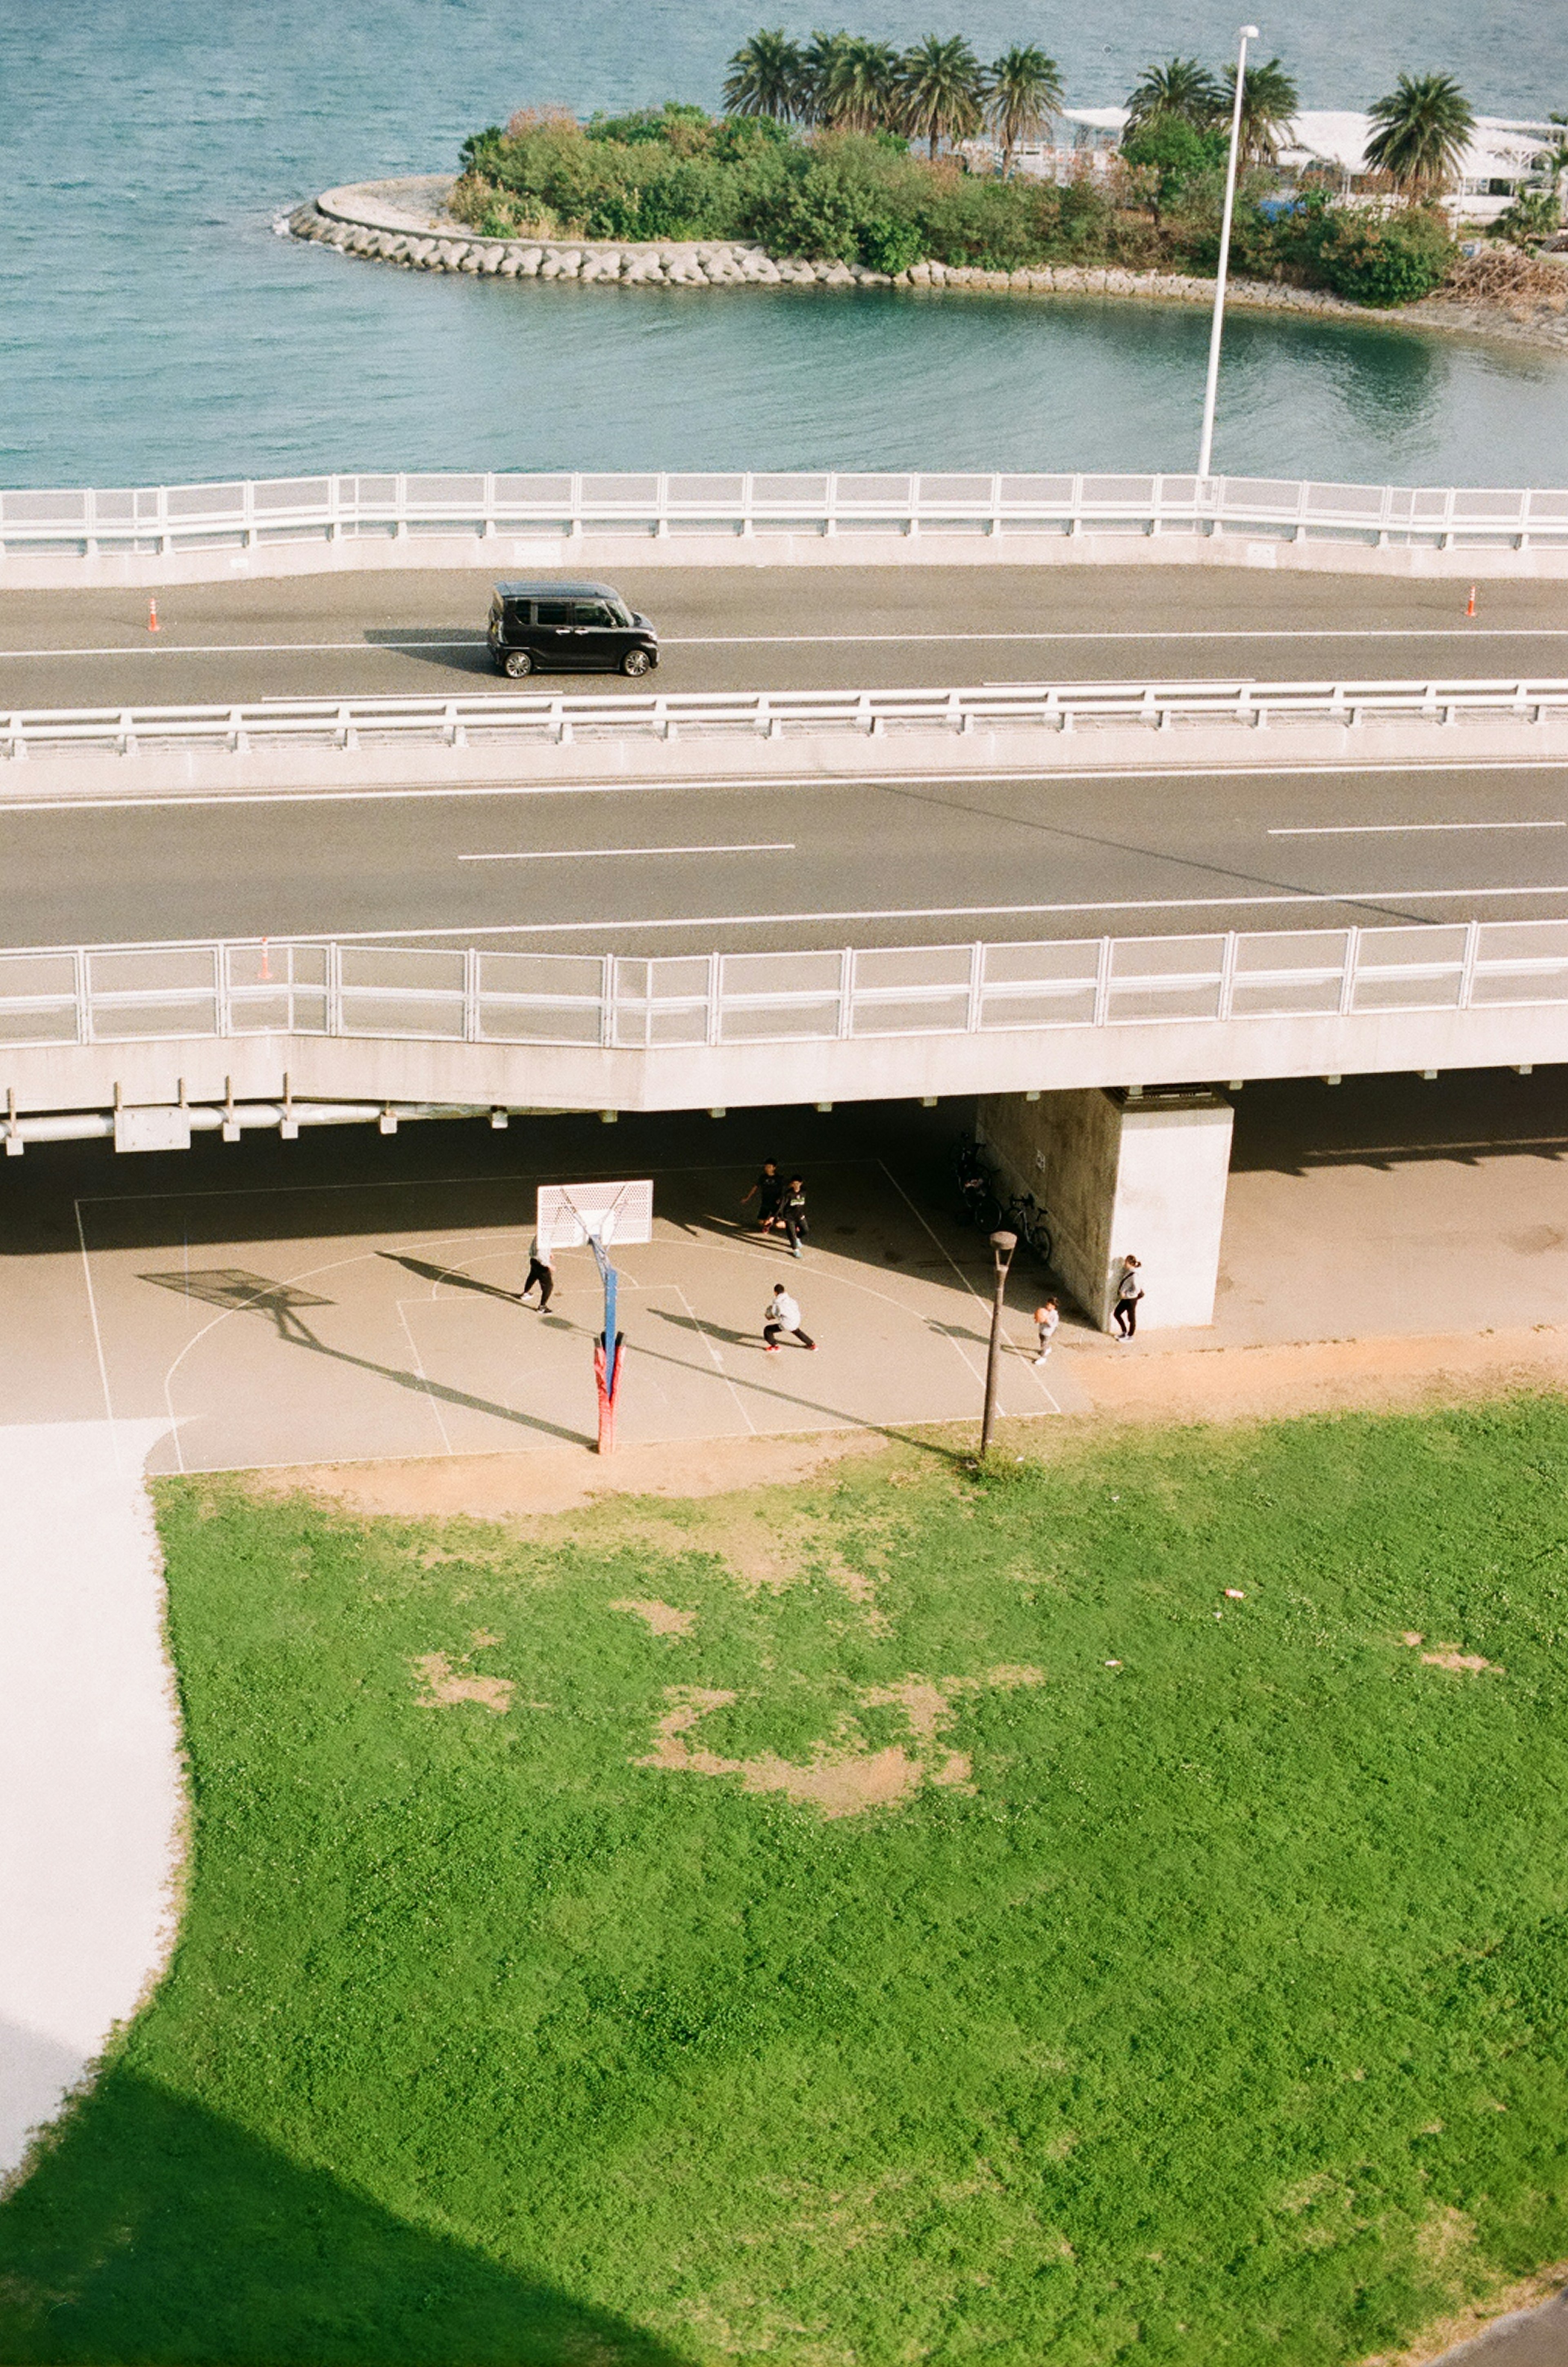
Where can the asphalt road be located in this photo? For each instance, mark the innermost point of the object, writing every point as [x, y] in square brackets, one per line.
[725, 629]
[672, 869]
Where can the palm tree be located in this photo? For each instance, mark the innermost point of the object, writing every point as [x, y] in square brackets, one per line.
[1181, 91]
[1269, 100]
[822, 64]
[1423, 128]
[764, 76]
[860, 89]
[941, 84]
[1025, 91]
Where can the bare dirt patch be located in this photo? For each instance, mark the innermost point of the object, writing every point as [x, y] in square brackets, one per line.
[662, 1617]
[844, 1776]
[1263, 1384]
[1448, 1656]
[562, 1480]
[445, 1686]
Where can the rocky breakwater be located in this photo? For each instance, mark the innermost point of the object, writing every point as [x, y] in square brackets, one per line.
[407, 223]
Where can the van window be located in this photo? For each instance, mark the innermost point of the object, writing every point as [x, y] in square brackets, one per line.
[592, 612]
[554, 612]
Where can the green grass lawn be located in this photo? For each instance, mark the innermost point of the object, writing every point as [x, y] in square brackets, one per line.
[1196, 1992]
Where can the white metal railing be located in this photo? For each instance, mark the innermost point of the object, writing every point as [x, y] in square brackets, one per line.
[316, 987]
[558, 718]
[156, 520]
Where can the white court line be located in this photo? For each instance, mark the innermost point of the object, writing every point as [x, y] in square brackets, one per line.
[1397, 829]
[419, 1368]
[99, 1342]
[713, 1349]
[920, 1218]
[598, 854]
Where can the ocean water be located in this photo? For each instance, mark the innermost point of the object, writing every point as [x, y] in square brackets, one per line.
[152, 328]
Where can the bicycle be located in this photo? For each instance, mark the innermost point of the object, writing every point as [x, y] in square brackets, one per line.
[1027, 1219]
[979, 1204]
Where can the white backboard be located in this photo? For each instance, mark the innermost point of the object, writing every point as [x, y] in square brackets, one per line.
[571, 1214]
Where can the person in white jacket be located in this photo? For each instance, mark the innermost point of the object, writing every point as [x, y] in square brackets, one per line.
[783, 1315]
[1128, 1290]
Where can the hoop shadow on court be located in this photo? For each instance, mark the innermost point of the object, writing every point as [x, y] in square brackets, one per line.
[237, 1292]
[453, 1276]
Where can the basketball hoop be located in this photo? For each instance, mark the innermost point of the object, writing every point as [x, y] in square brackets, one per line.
[567, 1216]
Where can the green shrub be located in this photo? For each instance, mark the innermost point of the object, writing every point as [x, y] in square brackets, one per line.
[886, 244]
[1534, 214]
[1171, 160]
[1385, 259]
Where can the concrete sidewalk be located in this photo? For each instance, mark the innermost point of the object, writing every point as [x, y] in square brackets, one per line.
[89, 1758]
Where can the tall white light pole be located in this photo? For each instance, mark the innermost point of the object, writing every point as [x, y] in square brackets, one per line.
[1206, 443]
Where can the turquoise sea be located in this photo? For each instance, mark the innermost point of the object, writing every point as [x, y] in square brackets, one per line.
[152, 328]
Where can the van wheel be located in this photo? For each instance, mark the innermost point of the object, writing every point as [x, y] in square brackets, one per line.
[636, 662]
[516, 664]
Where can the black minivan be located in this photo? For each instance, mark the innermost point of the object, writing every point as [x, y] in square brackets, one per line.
[553, 627]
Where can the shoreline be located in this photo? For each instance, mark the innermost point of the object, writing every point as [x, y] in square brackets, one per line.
[405, 222]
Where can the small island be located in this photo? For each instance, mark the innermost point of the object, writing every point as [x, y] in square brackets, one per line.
[843, 166]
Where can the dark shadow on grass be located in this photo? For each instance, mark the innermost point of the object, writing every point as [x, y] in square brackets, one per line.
[153, 2234]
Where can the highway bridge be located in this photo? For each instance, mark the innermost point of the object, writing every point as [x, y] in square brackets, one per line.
[630, 915]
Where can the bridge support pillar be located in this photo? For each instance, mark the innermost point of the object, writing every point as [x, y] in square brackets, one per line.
[1118, 1171]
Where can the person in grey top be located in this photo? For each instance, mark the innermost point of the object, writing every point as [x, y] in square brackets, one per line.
[1128, 1290]
[783, 1315]
[541, 1270]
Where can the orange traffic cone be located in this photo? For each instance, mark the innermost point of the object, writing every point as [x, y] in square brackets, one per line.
[151, 616]
[1470, 604]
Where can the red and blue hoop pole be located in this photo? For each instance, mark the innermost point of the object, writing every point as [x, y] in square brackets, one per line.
[607, 1358]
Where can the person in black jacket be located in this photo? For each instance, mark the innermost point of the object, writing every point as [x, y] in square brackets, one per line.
[768, 1191]
[792, 1213]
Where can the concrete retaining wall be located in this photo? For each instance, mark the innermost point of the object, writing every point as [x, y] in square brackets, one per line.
[1118, 1175]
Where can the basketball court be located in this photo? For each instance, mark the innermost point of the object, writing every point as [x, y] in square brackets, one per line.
[265, 1334]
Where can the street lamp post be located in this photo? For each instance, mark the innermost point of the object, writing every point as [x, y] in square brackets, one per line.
[1002, 1248]
[1206, 442]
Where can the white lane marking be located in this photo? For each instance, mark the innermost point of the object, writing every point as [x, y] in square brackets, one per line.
[1396, 829]
[463, 931]
[596, 854]
[160, 646]
[695, 785]
[1148, 633]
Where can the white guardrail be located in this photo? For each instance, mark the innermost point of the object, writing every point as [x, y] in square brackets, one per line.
[158, 520]
[502, 719]
[317, 987]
